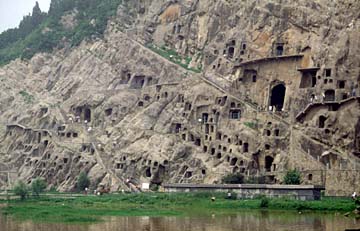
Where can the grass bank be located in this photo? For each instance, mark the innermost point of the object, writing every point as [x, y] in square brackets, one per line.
[91, 208]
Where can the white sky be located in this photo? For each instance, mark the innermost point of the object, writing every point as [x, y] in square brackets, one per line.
[12, 11]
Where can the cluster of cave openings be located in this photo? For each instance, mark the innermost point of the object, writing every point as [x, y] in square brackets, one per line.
[84, 113]
[243, 48]
[231, 49]
[176, 29]
[222, 101]
[278, 97]
[268, 163]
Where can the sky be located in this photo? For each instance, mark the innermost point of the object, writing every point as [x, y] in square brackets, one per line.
[12, 11]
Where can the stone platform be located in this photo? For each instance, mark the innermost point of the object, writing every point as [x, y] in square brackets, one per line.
[300, 192]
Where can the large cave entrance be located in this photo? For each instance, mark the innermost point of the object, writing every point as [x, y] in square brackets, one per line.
[268, 163]
[278, 97]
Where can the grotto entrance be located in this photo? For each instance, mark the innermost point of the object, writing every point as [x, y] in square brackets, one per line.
[87, 115]
[329, 95]
[278, 97]
[268, 163]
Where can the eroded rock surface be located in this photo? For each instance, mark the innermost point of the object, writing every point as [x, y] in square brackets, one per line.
[260, 87]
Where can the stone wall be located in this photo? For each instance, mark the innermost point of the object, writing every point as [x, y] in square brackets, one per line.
[300, 192]
[348, 180]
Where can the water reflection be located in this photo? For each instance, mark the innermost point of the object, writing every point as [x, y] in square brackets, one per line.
[250, 220]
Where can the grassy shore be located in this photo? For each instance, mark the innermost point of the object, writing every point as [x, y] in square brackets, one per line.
[91, 208]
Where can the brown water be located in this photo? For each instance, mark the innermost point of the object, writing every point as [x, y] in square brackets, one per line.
[254, 221]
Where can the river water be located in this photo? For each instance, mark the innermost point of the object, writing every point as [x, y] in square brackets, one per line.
[246, 220]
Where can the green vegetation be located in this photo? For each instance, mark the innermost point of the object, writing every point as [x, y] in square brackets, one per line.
[292, 177]
[82, 182]
[251, 125]
[21, 189]
[27, 97]
[38, 186]
[174, 57]
[264, 201]
[42, 32]
[91, 208]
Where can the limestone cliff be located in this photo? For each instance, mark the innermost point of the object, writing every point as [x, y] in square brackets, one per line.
[190, 91]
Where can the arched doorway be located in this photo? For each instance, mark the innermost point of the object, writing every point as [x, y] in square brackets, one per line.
[322, 120]
[268, 163]
[278, 97]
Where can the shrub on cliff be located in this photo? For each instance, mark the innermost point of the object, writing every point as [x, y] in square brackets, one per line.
[292, 177]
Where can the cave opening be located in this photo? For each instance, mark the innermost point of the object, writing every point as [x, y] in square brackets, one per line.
[278, 97]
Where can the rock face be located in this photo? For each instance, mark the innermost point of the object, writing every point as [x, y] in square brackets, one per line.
[189, 91]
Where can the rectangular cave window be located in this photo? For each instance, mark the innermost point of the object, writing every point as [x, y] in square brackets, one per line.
[198, 142]
[322, 120]
[328, 72]
[118, 166]
[218, 135]
[231, 52]
[205, 117]
[246, 147]
[183, 136]
[205, 148]
[254, 78]
[279, 49]
[277, 132]
[341, 84]
[308, 78]
[235, 114]
[177, 128]
[243, 46]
